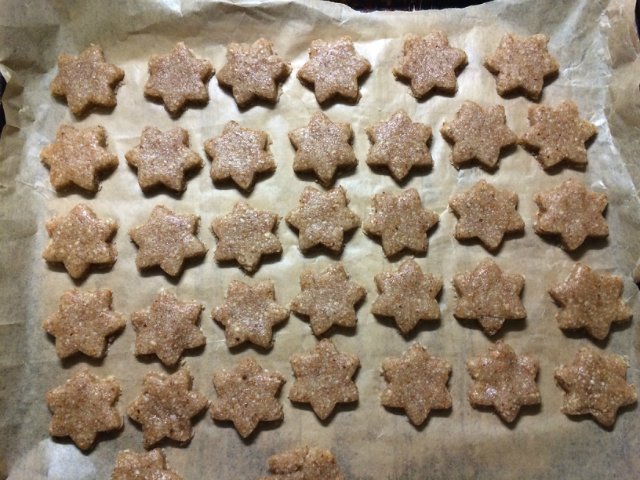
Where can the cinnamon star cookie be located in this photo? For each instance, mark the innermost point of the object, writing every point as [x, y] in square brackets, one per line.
[143, 466]
[306, 463]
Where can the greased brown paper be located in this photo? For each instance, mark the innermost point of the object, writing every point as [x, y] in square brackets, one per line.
[597, 47]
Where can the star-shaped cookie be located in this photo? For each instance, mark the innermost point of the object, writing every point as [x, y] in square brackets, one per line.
[429, 63]
[478, 133]
[595, 384]
[503, 380]
[322, 147]
[166, 406]
[306, 463]
[245, 235]
[178, 78]
[78, 157]
[143, 466]
[163, 158]
[400, 221]
[590, 300]
[328, 298]
[399, 144]
[84, 323]
[239, 154]
[253, 71]
[80, 239]
[247, 394]
[572, 212]
[487, 213]
[167, 328]
[322, 218]
[249, 314]
[86, 80]
[166, 240]
[558, 134]
[521, 64]
[489, 295]
[84, 406]
[407, 295]
[333, 69]
[324, 378]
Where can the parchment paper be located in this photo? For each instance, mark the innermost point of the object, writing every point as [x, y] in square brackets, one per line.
[597, 47]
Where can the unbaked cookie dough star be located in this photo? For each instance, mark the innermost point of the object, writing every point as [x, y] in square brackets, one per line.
[305, 463]
[143, 466]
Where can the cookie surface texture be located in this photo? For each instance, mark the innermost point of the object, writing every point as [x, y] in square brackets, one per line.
[143, 466]
[305, 463]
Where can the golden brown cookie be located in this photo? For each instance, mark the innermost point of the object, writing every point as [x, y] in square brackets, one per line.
[503, 380]
[163, 158]
[590, 300]
[595, 384]
[399, 144]
[166, 406]
[253, 71]
[558, 134]
[322, 218]
[83, 407]
[239, 154]
[486, 213]
[323, 147]
[429, 63]
[407, 295]
[86, 80]
[333, 69]
[247, 395]
[324, 378]
[249, 313]
[521, 64]
[489, 295]
[328, 298]
[306, 463]
[167, 328]
[245, 235]
[572, 212]
[417, 383]
[143, 466]
[85, 322]
[80, 239]
[178, 78]
[400, 221]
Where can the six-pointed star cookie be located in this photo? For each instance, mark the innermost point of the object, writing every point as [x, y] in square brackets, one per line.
[478, 133]
[83, 323]
[247, 395]
[86, 80]
[503, 380]
[489, 295]
[323, 147]
[166, 240]
[166, 406]
[333, 69]
[590, 300]
[558, 134]
[253, 71]
[521, 63]
[163, 158]
[322, 218]
[400, 221]
[571, 211]
[323, 378]
[84, 406]
[399, 144]
[306, 463]
[178, 78]
[407, 295]
[78, 157]
[487, 213]
[328, 298]
[245, 235]
[80, 239]
[417, 383]
[239, 153]
[249, 314]
[167, 328]
[429, 62]
[595, 384]
[143, 466]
